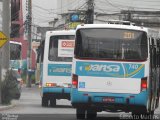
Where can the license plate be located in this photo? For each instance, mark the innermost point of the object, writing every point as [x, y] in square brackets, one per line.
[108, 99]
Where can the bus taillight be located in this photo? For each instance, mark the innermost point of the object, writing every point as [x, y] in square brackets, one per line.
[143, 83]
[19, 70]
[74, 81]
[51, 84]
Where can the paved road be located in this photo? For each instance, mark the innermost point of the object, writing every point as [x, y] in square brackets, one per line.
[29, 108]
[30, 103]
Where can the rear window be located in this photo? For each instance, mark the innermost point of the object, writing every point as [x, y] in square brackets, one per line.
[113, 44]
[61, 48]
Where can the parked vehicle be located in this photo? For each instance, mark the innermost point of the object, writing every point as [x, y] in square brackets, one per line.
[19, 81]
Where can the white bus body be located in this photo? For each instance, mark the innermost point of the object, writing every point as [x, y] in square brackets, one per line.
[112, 69]
[56, 68]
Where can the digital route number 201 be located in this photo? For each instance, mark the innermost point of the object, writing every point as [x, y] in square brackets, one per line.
[128, 35]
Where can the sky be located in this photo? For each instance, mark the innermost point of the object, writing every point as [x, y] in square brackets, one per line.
[117, 5]
[41, 10]
[45, 10]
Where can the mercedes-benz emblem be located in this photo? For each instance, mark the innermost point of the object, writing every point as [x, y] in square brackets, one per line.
[109, 83]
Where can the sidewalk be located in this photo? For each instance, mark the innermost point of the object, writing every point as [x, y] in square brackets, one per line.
[13, 102]
[6, 107]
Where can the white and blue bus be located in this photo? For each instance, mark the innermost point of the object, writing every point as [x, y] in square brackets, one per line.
[56, 66]
[15, 55]
[115, 68]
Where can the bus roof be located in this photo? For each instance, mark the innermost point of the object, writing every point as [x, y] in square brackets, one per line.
[118, 26]
[60, 32]
[14, 42]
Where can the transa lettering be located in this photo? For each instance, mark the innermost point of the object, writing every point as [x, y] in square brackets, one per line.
[104, 68]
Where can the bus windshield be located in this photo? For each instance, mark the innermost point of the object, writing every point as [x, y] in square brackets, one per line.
[15, 51]
[112, 44]
[56, 52]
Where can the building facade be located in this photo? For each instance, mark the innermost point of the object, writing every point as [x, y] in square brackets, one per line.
[18, 29]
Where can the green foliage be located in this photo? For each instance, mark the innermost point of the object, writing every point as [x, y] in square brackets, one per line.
[9, 88]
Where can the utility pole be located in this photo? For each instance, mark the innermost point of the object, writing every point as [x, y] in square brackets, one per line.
[0, 73]
[5, 50]
[29, 52]
[90, 12]
[0, 77]
[128, 17]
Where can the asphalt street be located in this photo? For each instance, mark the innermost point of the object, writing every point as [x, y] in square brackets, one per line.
[29, 108]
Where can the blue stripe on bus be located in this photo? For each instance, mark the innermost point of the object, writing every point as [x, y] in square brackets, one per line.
[56, 90]
[59, 69]
[105, 69]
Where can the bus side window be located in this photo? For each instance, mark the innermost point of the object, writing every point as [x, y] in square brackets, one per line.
[38, 54]
[152, 53]
[158, 52]
[78, 49]
[42, 51]
[53, 48]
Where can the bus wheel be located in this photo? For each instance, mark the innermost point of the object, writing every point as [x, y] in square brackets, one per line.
[44, 102]
[80, 113]
[91, 114]
[52, 102]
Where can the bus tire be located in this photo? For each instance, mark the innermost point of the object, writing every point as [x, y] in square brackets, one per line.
[91, 114]
[80, 113]
[52, 102]
[44, 102]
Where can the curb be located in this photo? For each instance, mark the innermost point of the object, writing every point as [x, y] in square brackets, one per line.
[6, 107]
